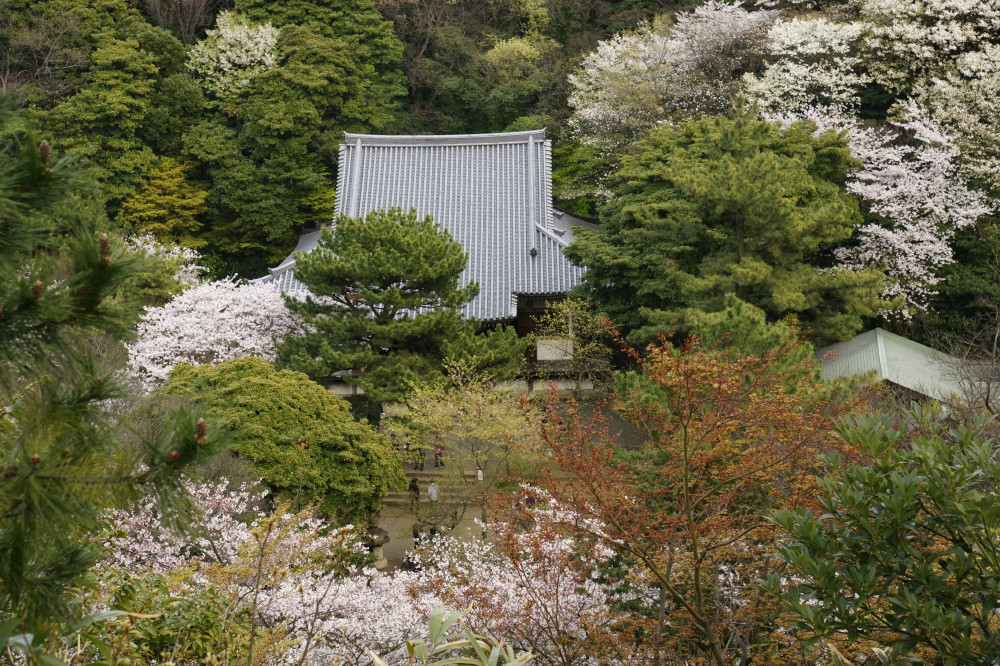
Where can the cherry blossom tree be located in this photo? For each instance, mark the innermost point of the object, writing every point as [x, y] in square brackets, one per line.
[634, 81]
[232, 55]
[211, 323]
[310, 586]
[533, 584]
[909, 42]
[140, 540]
[188, 272]
[964, 102]
[813, 62]
[911, 183]
[290, 571]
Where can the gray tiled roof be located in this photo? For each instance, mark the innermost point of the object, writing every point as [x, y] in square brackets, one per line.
[492, 192]
[895, 359]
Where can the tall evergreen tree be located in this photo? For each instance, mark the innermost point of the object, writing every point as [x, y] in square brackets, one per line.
[64, 459]
[730, 205]
[385, 299]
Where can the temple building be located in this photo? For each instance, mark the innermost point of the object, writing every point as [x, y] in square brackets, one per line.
[492, 192]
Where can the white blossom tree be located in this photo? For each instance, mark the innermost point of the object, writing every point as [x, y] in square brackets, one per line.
[964, 101]
[908, 42]
[536, 587]
[232, 55]
[140, 541]
[188, 273]
[291, 570]
[634, 81]
[813, 62]
[533, 585]
[211, 323]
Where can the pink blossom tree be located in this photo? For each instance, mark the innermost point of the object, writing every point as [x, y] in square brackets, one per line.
[288, 570]
[532, 584]
[912, 185]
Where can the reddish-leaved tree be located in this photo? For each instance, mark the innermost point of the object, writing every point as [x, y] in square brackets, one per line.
[725, 439]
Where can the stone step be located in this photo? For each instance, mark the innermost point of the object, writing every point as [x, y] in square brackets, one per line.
[405, 501]
[436, 474]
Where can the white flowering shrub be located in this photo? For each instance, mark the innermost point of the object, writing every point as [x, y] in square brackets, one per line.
[634, 81]
[232, 55]
[910, 179]
[210, 323]
[813, 62]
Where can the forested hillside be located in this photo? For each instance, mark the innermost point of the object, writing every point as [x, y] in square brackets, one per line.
[214, 124]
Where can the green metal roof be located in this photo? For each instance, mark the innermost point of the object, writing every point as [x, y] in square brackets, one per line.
[895, 359]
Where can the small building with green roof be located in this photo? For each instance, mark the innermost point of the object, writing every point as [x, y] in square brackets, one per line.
[897, 360]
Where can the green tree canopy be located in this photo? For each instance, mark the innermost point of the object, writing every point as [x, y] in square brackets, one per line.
[729, 205]
[905, 553]
[101, 120]
[385, 298]
[269, 151]
[167, 204]
[301, 437]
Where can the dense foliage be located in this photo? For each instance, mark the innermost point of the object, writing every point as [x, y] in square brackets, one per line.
[67, 456]
[302, 439]
[902, 551]
[188, 142]
[729, 205]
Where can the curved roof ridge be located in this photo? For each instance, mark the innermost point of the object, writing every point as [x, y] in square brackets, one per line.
[443, 139]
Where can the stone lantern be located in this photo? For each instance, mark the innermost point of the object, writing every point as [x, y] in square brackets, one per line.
[373, 538]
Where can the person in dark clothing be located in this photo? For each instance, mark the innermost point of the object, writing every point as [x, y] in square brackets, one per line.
[414, 494]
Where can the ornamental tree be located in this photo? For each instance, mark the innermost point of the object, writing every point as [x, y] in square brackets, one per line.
[729, 205]
[211, 323]
[726, 436]
[959, 101]
[915, 198]
[286, 585]
[384, 300]
[812, 62]
[902, 550]
[534, 584]
[301, 438]
[633, 82]
[232, 55]
[907, 43]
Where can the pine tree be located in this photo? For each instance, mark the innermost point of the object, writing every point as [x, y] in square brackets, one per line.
[385, 299]
[730, 206]
[64, 456]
